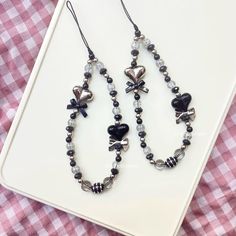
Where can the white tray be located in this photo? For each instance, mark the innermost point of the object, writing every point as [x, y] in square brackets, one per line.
[197, 42]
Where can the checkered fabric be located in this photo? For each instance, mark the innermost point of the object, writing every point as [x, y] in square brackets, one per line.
[23, 24]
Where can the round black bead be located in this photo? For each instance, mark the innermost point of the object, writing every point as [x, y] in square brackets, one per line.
[103, 71]
[139, 121]
[149, 156]
[87, 75]
[138, 110]
[163, 69]
[150, 47]
[142, 134]
[135, 52]
[143, 144]
[72, 163]
[78, 175]
[134, 63]
[113, 93]
[137, 33]
[186, 142]
[109, 80]
[189, 129]
[156, 56]
[69, 129]
[115, 104]
[175, 89]
[91, 56]
[68, 139]
[118, 158]
[118, 117]
[136, 96]
[114, 171]
[167, 79]
[85, 86]
[73, 115]
[70, 152]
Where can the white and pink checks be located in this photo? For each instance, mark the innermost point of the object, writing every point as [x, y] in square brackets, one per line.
[23, 24]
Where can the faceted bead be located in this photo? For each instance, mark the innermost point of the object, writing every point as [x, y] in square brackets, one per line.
[160, 63]
[135, 45]
[114, 171]
[71, 123]
[187, 135]
[110, 87]
[137, 103]
[116, 110]
[78, 175]
[88, 68]
[140, 127]
[70, 146]
[75, 169]
[99, 65]
[115, 164]
[146, 42]
[171, 84]
[147, 150]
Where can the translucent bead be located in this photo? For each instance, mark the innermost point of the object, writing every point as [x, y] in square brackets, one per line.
[116, 110]
[88, 68]
[140, 127]
[146, 42]
[99, 65]
[75, 169]
[171, 84]
[70, 146]
[187, 135]
[115, 164]
[147, 150]
[137, 103]
[160, 63]
[110, 87]
[135, 45]
[71, 122]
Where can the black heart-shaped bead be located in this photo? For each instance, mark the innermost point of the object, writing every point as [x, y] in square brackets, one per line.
[181, 103]
[118, 131]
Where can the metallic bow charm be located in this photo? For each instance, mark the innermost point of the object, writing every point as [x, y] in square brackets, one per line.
[135, 74]
[185, 116]
[115, 144]
[82, 97]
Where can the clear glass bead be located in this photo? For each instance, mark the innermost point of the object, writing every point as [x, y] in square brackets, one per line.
[160, 63]
[140, 127]
[75, 169]
[137, 103]
[99, 65]
[171, 84]
[88, 68]
[115, 164]
[147, 150]
[110, 87]
[70, 146]
[187, 135]
[71, 122]
[146, 42]
[135, 45]
[116, 110]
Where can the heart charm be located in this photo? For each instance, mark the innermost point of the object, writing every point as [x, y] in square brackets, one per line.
[82, 95]
[136, 73]
[118, 131]
[181, 103]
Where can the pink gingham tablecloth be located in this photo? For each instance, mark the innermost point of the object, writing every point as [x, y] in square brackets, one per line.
[23, 24]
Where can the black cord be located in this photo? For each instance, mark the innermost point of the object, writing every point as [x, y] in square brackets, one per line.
[129, 17]
[72, 11]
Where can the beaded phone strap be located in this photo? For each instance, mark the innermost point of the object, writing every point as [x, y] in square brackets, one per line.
[79, 104]
[180, 103]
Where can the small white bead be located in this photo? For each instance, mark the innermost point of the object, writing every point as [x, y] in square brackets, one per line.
[137, 103]
[140, 127]
[70, 146]
[147, 150]
[88, 68]
[135, 45]
[71, 122]
[110, 87]
[75, 169]
[116, 110]
[171, 84]
[99, 65]
[187, 135]
[146, 42]
[160, 63]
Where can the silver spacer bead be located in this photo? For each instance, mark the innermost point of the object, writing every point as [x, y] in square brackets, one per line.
[138, 115]
[136, 38]
[178, 94]
[188, 123]
[183, 147]
[117, 122]
[112, 176]
[80, 181]
[154, 51]
[106, 76]
[85, 80]
[113, 99]
[165, 73]
[152, 162]
[118, 152]
[142, 139]
[135, 90]
[135, 57]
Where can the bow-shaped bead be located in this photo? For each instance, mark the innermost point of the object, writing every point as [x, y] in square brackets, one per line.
[118, 145]
[138, 85]
[80, 107]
